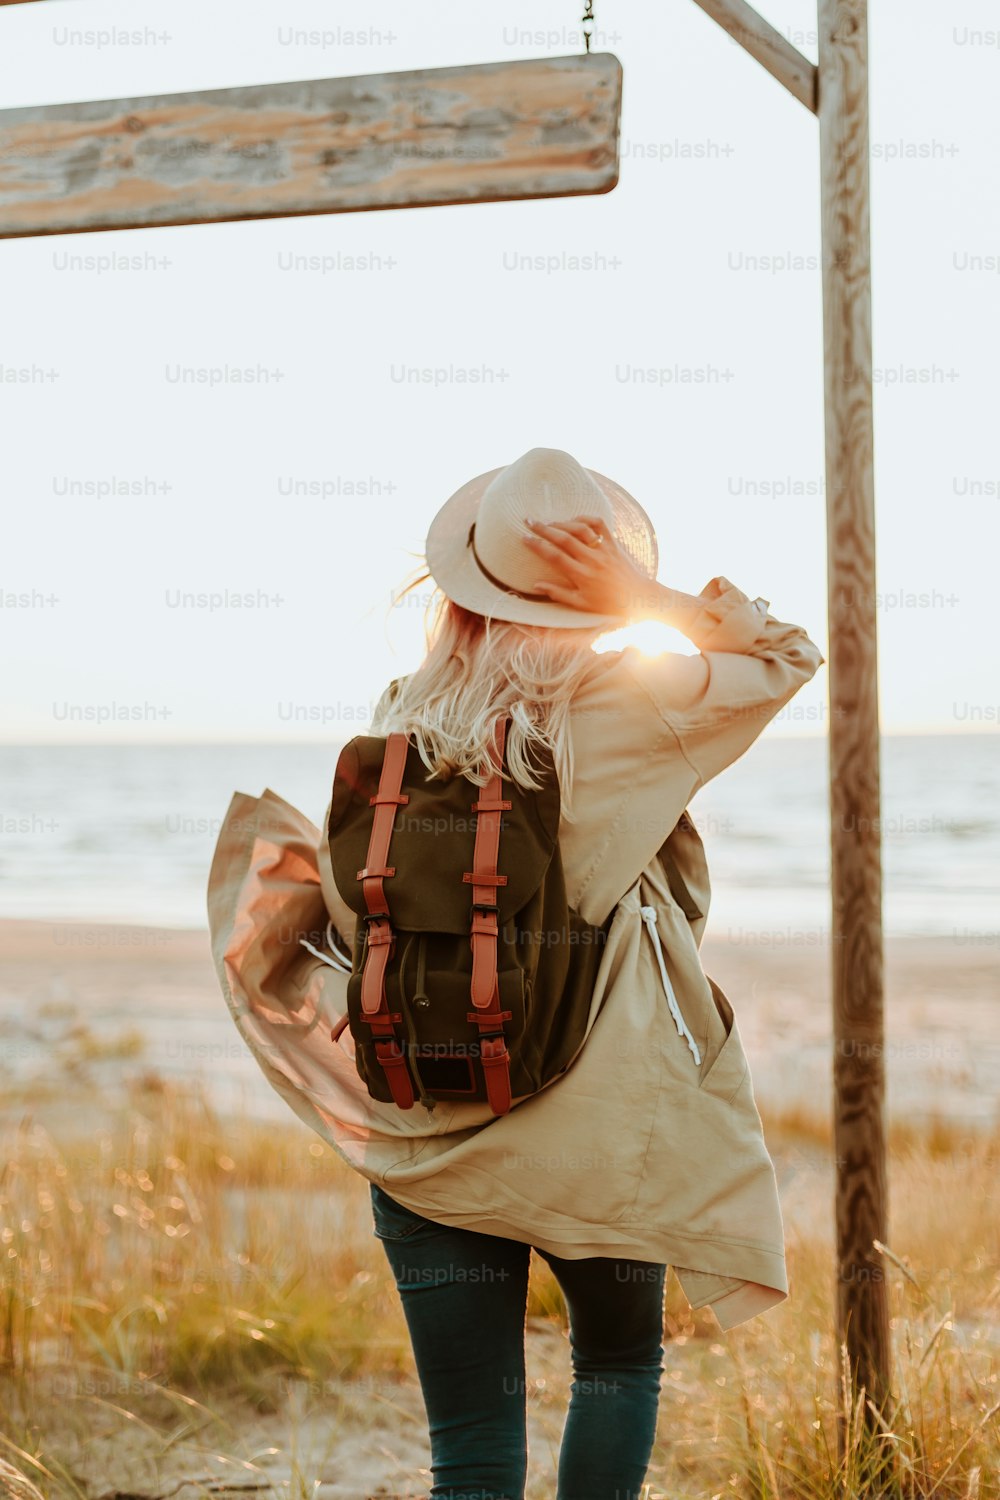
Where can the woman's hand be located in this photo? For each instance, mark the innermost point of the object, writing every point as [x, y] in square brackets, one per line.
[599, 578]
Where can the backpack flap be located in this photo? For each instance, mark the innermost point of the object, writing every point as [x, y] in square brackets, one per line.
[432, 838]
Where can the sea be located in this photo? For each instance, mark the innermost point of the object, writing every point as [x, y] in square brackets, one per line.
[125, 833]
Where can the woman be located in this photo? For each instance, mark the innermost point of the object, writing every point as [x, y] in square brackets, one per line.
[648, 1151]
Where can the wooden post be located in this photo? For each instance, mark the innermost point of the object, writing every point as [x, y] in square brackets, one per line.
[858, 1075]
[839, 94]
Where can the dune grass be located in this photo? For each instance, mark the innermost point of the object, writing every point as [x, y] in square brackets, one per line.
[177, 1270]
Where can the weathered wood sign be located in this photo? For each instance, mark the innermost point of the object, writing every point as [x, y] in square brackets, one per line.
[537, 128]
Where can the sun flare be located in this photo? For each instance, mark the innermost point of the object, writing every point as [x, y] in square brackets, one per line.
[649, 637]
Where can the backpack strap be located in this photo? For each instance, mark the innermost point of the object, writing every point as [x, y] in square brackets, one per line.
[484, 880]
[380, 938]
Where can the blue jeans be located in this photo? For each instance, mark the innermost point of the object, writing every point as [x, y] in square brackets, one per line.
[464, 1295]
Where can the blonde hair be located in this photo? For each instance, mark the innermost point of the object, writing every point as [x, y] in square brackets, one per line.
[476, 669]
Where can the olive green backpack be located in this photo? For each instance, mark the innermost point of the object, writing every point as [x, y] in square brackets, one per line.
[472, 978]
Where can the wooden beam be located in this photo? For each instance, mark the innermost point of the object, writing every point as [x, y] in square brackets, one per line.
[772, 50]
[861, 1198]
[537, 128]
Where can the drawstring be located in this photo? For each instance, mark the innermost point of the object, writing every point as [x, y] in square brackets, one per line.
[649, 917]
[344, 966]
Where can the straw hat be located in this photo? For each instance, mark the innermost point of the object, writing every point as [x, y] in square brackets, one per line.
[476, 547]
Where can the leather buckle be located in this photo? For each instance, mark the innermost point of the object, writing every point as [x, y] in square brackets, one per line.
[388, 1048]
[378, 936]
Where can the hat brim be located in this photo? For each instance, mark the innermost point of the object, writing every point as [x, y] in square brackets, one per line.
[454, 569]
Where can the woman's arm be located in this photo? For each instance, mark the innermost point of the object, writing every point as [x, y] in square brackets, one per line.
[749, 663]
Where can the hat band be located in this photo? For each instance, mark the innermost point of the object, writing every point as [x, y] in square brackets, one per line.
[508, 588]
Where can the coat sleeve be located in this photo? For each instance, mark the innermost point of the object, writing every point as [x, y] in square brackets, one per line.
[749, 666]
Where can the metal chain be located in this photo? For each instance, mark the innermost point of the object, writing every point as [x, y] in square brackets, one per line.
[588, 23]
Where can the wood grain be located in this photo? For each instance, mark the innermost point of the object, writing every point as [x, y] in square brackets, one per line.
[535, 128]
[861, 1202]
[772, 50]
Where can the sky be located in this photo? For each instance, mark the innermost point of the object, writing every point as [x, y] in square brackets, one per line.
[134, 503]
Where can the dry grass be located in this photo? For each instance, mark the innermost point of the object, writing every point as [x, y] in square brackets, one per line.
[167, 1275]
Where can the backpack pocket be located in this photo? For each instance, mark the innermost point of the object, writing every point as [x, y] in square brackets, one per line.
[440, 1043]
[447, 1046]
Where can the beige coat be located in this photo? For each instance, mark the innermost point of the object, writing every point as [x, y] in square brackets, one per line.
[650, 1146]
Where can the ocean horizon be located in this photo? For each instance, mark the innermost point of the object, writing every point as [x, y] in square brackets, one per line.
[125, 833]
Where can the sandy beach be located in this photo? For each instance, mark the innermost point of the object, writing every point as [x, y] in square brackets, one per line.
[95, 1019]
[146, 998]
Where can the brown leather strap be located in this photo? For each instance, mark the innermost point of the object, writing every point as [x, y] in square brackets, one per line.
[485, 989]
[381, 939]
[341, 1026]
